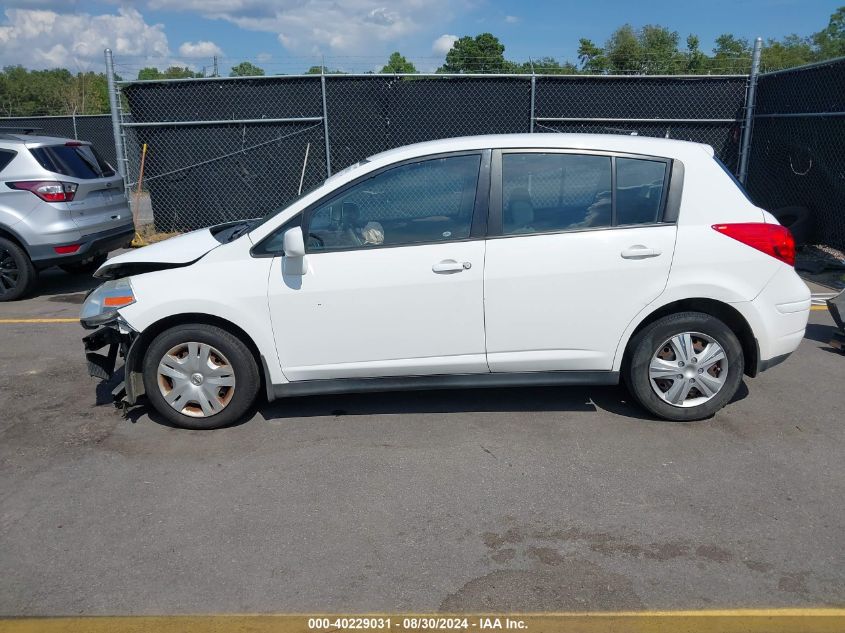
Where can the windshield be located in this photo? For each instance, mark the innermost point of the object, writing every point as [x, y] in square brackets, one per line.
[254, 224]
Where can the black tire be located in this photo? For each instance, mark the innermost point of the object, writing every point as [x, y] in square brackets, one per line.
[241, 360]
[17, 274]
[86, 266]
[646, 343]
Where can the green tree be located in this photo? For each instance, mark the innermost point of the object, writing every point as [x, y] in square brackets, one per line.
[483, 53]
[150, 72]
[695, 60]
[623, 51]
[317, 70]
[246, 69]
[790, 51]
[398, 64]
[547, 66]
[651, 50]
[730, 55]
[660, 55]
[830, 41]
[48, 92]
[592, 57]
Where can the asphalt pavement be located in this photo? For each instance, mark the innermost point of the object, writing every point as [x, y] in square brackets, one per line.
[508, 499]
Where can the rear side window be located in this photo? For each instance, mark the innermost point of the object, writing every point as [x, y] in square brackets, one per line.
[639, 190]
[555, 192]
[6, 157]
[77, 161]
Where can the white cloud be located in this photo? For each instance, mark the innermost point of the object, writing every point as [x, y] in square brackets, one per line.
[512, 19]
[443, 44]
[264, 57]
[202, 48]
[44, 39]
[313, 27]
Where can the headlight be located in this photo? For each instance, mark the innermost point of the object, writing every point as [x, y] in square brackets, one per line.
[103, 303]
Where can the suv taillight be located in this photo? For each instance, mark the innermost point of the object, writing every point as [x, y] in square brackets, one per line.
[772, 239]
[47, 190]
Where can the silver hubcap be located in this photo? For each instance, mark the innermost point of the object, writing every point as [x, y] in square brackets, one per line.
[688, 369]
[196, 379]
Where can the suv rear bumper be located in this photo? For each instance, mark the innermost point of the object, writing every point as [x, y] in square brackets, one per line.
[44, 255]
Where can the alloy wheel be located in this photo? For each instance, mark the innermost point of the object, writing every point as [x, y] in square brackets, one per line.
[9, 272]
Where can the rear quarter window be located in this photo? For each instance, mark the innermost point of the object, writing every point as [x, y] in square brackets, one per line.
[77, 161]
[6, 156]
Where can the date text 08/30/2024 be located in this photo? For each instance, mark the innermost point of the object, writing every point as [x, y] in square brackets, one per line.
[416, 623]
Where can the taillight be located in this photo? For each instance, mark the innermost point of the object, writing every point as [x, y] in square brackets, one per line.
[47, 190]
[772, 239]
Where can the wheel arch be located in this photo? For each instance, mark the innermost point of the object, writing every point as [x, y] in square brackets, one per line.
[138, 350]
[14, 237]
[726, 313]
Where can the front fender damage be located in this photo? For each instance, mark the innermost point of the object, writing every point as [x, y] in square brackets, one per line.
[117, 340]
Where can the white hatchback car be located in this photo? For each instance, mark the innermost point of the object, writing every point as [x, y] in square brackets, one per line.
[488, 261]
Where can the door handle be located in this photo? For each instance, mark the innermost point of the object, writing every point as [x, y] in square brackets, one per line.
[451, 266]
[638, 251]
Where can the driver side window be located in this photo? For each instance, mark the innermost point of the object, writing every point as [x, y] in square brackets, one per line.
[423, 202]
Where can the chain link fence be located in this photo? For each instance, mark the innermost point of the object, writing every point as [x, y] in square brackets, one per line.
[797, 155]
[222, 149]
[225, 149]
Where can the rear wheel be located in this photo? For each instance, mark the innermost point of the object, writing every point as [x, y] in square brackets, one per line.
[17, 274]
[685, 366]
[86, 266]
[200, 376]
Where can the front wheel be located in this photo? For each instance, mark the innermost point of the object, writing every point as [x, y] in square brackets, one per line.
[200, 376]
[685, 366]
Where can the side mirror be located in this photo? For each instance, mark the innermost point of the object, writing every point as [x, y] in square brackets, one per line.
[294, 244]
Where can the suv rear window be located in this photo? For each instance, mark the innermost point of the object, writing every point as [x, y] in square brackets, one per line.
[77, 161]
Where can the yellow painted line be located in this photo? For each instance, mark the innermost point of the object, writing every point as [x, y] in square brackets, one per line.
[818, 307]
[12, 321]
[723, 621]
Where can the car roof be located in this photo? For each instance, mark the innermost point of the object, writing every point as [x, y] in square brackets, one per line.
[669, 148]
[31, 140]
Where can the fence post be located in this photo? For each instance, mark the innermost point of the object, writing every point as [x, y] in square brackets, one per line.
[749, 110]
[115, 117]
[75, 133]
[326, 123]
[533, 91]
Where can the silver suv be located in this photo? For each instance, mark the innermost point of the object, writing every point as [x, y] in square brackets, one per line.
[61, 205]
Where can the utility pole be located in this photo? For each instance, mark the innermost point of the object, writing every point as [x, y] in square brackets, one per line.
[751, 98]
[214, 74]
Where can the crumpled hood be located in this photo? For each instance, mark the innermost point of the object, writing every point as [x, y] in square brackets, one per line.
[181, 250]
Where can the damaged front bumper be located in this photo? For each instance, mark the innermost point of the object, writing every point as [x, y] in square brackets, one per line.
[116, 340]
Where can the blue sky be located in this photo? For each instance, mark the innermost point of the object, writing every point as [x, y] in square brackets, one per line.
[286, 36]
